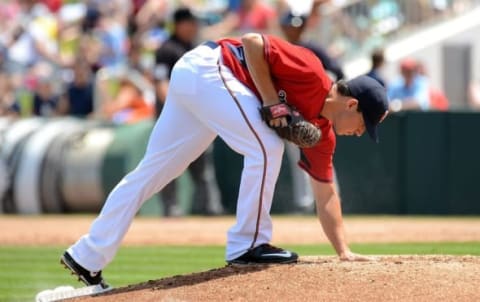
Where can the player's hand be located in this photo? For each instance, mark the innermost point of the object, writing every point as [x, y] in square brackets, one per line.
[275, 114]
[350, 256]
[278, 122]
[289, 124]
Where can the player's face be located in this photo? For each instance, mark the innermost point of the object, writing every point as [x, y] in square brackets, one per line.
[350, 120]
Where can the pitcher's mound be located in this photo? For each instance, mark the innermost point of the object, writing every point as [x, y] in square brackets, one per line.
[391, 278]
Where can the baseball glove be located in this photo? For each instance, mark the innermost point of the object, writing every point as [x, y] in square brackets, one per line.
[298, 131]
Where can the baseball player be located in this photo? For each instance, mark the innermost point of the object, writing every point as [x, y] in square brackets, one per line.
[247, 91]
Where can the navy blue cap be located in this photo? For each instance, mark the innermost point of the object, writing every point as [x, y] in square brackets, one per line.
[372, 101]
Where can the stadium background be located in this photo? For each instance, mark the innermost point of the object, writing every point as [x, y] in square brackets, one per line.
[426, 164]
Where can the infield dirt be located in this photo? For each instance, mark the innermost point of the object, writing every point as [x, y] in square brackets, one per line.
[400, 278]
[65, 230]
[391, 278]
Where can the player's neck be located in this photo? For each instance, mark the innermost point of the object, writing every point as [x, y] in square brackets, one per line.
[329, 110]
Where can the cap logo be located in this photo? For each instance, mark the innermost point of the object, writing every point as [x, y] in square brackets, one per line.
[383, 116]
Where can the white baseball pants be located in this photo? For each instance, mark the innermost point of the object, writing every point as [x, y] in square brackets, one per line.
[204, 100]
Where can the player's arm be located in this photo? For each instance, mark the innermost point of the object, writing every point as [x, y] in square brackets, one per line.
[253, 46]
[329, 212]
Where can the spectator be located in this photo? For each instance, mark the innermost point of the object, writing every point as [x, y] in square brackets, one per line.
[33, 38]
[438, 99]
[148, 24]
[8, 104]
[149, 14]
[106, 36]
[255, 15]
[45, 100]
[244, 16]
[293, 27]
[139, 61]
[378, 61]
[78, 97]
[128, 106]
[182, 39]
[411, 90]
[206, 200]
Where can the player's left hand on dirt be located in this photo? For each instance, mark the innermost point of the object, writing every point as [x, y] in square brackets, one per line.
[296, 130]
[350, 256]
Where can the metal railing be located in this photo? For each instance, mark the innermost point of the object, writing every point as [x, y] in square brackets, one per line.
[357, 27]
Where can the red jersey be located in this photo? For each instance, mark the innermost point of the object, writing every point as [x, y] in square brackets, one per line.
[301, 81]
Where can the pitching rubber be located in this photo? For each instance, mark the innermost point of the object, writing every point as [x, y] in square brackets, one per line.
[65, 292]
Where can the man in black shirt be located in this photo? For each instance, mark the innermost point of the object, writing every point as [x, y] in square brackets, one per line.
[182, 40]
[205, 197]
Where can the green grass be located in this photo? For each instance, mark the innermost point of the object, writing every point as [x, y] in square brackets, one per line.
[24, 271]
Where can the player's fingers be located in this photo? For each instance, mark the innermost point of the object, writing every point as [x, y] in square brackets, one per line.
[358, 257]
[365, 258]
[279, 122]
[275, 122]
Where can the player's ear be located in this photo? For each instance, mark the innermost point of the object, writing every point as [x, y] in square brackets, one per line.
[352, 104]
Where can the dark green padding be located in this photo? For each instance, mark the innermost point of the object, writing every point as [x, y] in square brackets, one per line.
[369, 174]
[426, 163]
[125, 152]
[464, 163]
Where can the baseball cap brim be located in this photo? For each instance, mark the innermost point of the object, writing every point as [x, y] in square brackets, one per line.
[372, 129]
[372, 101]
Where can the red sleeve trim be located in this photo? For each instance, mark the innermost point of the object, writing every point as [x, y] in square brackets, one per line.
[305, 168]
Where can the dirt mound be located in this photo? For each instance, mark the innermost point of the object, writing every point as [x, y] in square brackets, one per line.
[399, 278]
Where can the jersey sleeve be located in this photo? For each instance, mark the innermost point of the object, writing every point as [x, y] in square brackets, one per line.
[318, 160]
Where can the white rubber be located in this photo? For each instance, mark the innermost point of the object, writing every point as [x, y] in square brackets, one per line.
[65, 292]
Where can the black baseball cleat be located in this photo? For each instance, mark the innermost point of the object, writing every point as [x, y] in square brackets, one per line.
[84, 275]
[266, 254]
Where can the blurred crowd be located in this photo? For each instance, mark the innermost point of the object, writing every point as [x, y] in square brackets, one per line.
[99, 59]
[411, 89]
